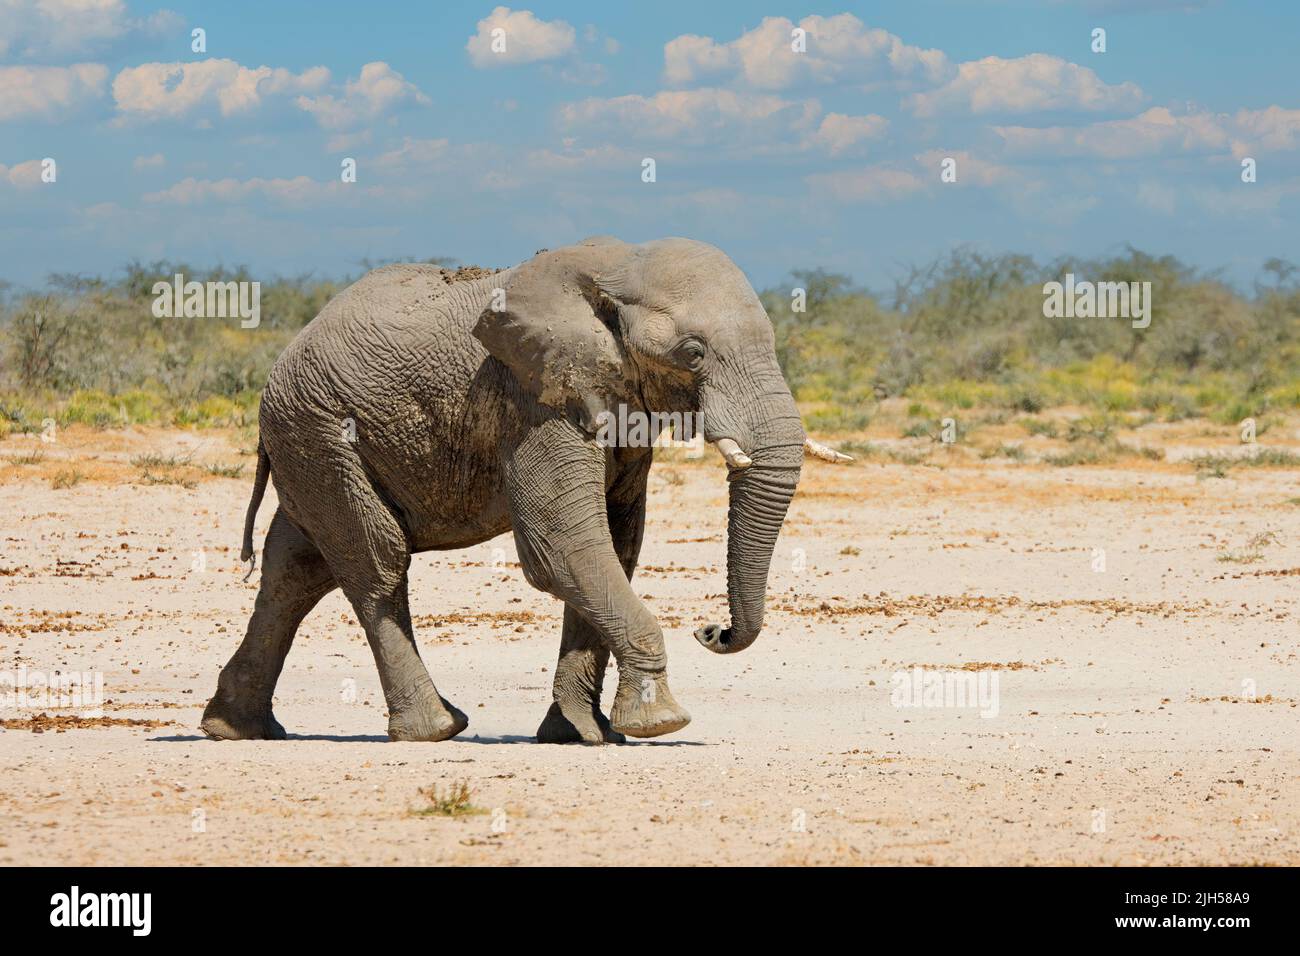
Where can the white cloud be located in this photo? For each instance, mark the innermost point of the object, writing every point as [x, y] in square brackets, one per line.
[689, 58]
[493, 167]
[43, 91]
[868, 184]
[378, 89]
[840, 49]
[61, 27]
[24, 175]
[969, 168]
[839, 133]
[1025, 84]
[156, 161]
[155, 91]
[591, 34]
[885, 183]
[699, 115]
[413, 152]
[527, 39]
[572, 158]
[726, 120]
[297, 191]
[341, 142]
[1269, 128]
[1158, 130]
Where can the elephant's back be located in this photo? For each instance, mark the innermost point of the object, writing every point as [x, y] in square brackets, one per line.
[392, 363]
[400, 306]
[420, 290]
[402, 328]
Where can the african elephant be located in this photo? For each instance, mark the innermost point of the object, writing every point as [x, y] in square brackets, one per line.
[429, 410]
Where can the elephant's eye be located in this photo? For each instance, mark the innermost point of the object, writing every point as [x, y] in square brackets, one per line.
[691, 353]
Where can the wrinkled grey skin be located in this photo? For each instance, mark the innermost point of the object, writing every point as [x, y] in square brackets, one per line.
[470, 422]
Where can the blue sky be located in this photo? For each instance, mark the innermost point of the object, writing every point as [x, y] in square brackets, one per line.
[830, 157]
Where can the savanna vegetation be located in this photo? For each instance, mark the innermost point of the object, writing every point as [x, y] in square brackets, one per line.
[964, 338]
[968, 332]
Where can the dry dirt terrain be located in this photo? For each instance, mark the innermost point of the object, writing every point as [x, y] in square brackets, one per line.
[1142, 624]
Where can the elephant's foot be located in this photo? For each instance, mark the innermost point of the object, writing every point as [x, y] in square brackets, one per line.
[221, 721]
[580, 723]
[644, 706]
[426, 720]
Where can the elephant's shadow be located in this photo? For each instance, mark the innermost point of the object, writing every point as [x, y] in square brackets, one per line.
[383, 739]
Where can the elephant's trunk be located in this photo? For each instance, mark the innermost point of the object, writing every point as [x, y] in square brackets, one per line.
[770, 436]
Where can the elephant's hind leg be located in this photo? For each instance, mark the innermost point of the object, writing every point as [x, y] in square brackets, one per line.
[294, 579]
[416, 711]
[369, 554]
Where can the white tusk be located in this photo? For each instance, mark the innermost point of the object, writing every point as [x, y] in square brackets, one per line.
[824, 452]
[732, 453]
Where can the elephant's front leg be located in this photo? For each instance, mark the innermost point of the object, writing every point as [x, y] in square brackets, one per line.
[575, 715]
[563, 533]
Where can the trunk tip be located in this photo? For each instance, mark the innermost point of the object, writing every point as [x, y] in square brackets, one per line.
[721, 640]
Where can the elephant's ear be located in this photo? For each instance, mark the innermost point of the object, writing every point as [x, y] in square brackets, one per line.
[547, 324]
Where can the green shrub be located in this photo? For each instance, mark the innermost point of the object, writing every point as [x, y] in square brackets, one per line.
[964, 332]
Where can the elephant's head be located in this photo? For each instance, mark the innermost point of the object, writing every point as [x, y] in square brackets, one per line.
[667, 326]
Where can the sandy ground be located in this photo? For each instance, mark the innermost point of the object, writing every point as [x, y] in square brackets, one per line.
[1146, 696]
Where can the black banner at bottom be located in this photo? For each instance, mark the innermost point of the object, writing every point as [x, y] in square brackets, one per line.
[335, 905]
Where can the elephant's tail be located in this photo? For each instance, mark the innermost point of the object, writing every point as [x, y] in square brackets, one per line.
[259, 489]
